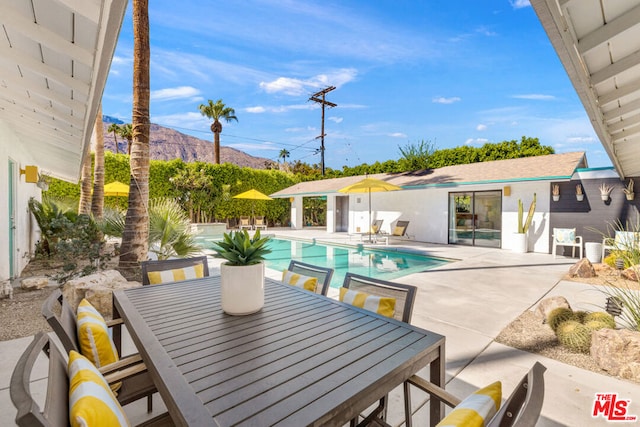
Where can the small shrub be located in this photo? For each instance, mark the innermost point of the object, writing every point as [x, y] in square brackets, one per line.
[558, 316]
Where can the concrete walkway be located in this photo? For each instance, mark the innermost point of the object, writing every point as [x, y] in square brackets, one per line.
[469, 301]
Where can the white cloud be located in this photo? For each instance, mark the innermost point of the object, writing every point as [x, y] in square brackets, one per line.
[519, 4]
[297, 87]
[301, 129]
[443, 100]
[581, 139]
[476, 141]
[335, 119]
[172, 93]
[257, 109]
[397, 135]
[248, 146]
[535, 96]
[481, 127]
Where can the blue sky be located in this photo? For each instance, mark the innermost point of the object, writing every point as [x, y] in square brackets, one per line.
[448, 72]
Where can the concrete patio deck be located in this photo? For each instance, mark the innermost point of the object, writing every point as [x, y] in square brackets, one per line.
[469, 301]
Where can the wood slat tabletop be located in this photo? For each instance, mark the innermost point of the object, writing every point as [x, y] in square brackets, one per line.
[304, 359]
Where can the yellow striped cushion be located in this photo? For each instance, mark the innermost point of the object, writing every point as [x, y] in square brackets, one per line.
[398, 231]
[300, 281]
[94, 339]
[176, 275]
[380, 305]
[477, 409]
[91, 402]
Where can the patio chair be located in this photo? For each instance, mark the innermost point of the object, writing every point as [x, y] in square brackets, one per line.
[174, 270]
[62, 319]
[323, 274]
[566, 237]
[259, 223]
[56, 405]
[404, 296]
[245, 222]
[374, 233]
[400, 230]
[521, 409]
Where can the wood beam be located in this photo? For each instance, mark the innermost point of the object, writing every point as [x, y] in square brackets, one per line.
[616, 68]
[618, 93]
[609, 30]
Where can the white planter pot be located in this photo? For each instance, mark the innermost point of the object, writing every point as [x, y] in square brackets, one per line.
[579, 197]
[520, 243]
[556, 198]
[604, 197]
[242, 288]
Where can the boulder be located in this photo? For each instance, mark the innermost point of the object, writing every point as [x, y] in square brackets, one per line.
[631, 273]
[583, 269]
[617, 351]
[547, 305]
[33, 283]
[97, 289]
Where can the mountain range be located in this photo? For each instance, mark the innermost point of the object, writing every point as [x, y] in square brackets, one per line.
[168, 144]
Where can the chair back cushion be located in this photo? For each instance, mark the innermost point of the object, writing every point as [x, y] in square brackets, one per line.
[398, 230]
[176, 275]
[564, 235]
[477, 409]
[91, 401]
[299, 280]
[93, 336]
[380, 305]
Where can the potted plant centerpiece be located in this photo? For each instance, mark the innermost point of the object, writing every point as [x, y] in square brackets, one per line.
[555, 192]
[520, 244]
[242, 275]
[605, 191]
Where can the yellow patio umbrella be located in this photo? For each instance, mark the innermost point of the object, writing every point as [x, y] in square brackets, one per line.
[369, 185]
[116, 188]
[252, 195]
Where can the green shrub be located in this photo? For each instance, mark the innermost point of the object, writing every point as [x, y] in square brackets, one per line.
[558, 316]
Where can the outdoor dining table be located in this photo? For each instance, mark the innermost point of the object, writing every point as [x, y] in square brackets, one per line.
[303, 359]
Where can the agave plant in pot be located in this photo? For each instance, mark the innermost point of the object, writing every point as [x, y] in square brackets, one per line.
[242, 275]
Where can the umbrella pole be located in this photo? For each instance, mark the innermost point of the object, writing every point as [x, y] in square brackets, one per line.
[370, 241]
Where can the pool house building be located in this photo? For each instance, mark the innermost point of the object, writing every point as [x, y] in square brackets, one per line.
[477, 204]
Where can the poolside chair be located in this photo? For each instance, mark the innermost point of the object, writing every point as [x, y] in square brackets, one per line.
[566, 237]
[623, 240]
[403, 297]
[259, 223]
[522, 408]
[400, 230]
[174, 270]
[245, 222]
[56, 405]
[374, 232]
[323, 274]
[62, 319]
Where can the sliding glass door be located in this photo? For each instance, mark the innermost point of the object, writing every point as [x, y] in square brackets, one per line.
[475, 218]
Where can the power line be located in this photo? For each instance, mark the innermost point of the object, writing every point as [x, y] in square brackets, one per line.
[323, 102]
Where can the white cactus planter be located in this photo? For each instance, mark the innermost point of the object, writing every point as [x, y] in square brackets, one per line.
[242, 288]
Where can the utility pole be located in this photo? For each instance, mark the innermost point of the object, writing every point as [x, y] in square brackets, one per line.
[322, 101]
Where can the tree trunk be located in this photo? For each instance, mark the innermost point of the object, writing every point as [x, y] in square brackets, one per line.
[135, 237]
[97, 200]
[216, 128]
[84, 207]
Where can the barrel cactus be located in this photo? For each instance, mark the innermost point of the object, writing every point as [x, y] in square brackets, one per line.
[580, 316]
[575, 336]
[596, 325]
[601, 316]
[558, 316]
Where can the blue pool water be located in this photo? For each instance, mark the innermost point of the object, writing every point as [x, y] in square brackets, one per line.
[382, 264]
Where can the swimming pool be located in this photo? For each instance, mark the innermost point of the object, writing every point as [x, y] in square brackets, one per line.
[378, 263]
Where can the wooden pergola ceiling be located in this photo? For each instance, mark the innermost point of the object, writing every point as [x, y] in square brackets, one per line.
[54, 61]
[598, 42]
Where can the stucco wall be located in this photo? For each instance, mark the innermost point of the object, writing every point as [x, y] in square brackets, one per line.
[25, 235]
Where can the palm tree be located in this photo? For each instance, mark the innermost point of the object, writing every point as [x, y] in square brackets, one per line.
[284, 153]
[97, 200]
[216, 112]
[135, 237]
[84, 208]
[115, 128]
[126, 131]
